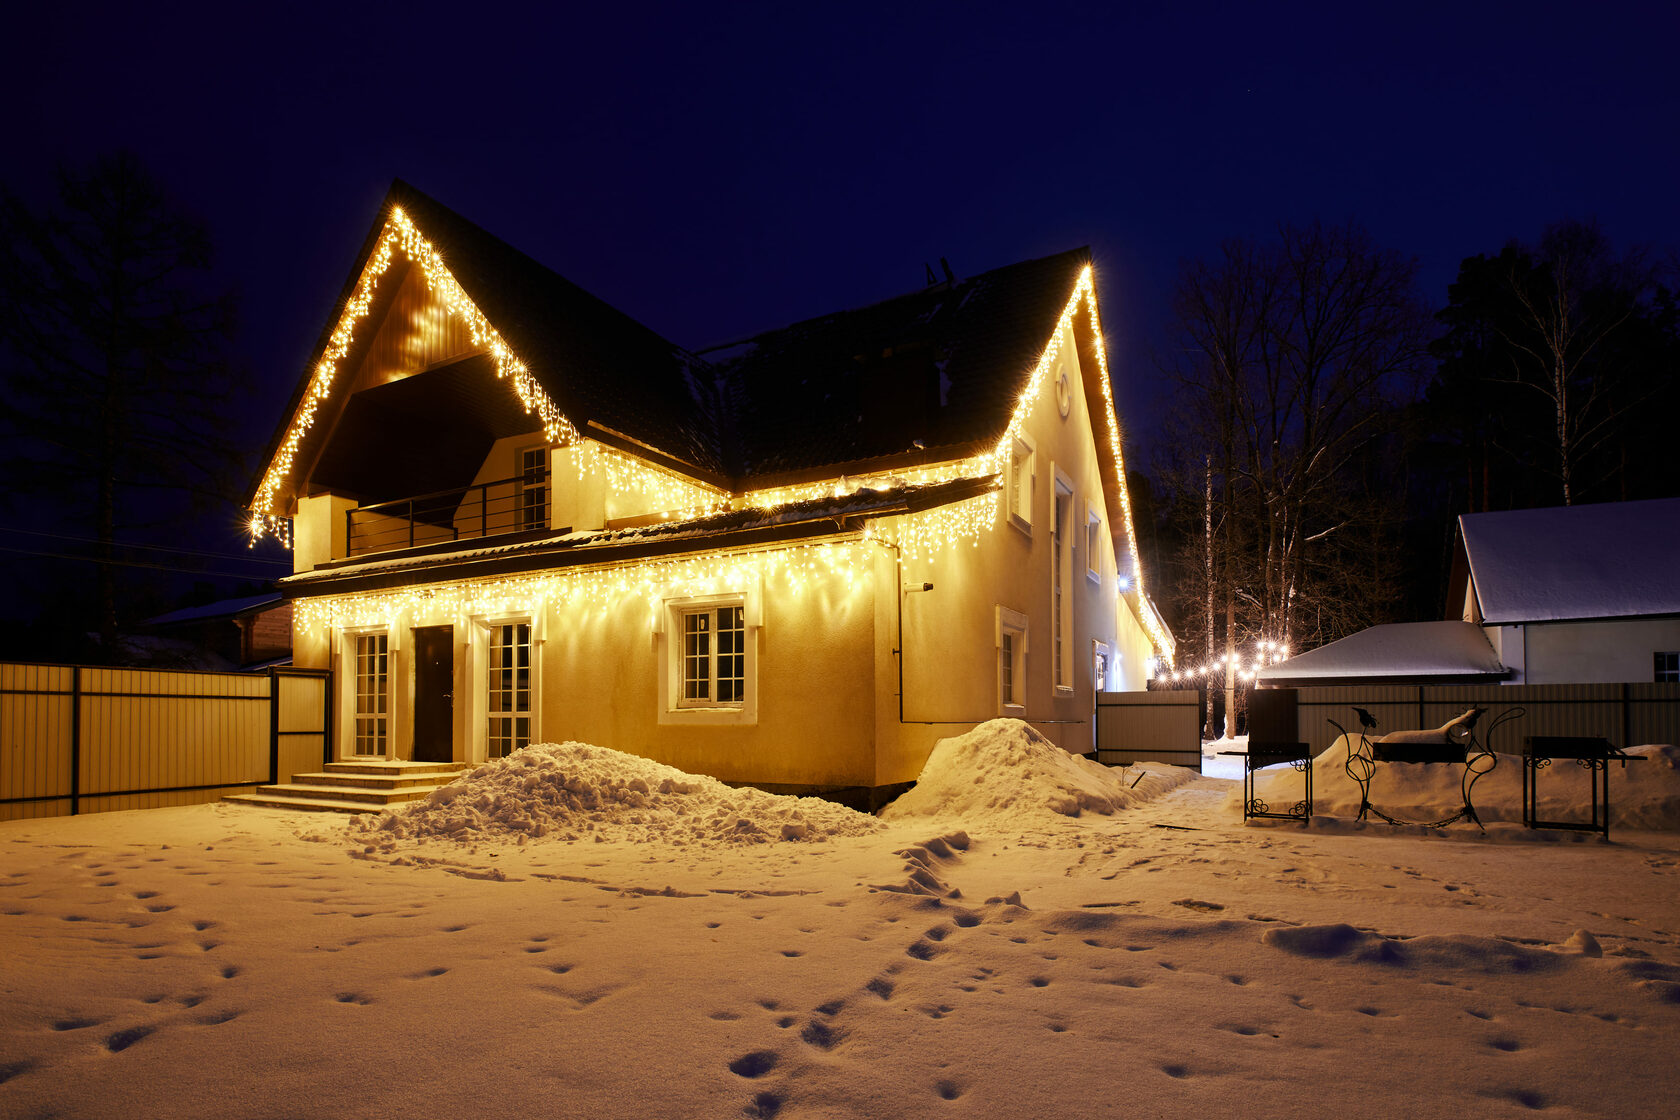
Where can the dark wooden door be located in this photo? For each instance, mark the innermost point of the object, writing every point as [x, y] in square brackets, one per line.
[434, 693]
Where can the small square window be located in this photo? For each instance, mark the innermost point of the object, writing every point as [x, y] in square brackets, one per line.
[1667, 667]
[713, 656]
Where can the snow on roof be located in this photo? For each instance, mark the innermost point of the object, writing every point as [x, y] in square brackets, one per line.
[1613, 560]
[1401, 649]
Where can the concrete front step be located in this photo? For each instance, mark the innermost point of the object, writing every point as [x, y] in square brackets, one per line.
[445, 770]
[356, 787]
[286, 801]
[373, 781]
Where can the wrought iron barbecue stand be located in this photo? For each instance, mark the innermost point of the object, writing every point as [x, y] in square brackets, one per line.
[1260, 755]
[1458, 745]
[1593, 755]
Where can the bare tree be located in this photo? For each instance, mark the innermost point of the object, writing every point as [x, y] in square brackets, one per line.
[1569, 304]
[116, 379]
[1289, 353]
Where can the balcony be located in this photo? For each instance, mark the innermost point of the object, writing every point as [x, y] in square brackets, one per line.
[490, 509]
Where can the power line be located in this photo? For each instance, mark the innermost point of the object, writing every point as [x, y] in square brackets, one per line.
[147, 547]
[134, 564]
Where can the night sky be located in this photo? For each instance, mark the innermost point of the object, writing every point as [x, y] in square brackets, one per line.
[718, 169]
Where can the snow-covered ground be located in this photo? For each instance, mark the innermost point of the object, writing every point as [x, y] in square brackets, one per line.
[564, 934]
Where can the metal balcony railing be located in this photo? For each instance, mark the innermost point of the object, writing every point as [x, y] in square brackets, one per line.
[508, 505]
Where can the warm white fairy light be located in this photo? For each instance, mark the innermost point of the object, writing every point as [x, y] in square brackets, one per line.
[398, 233]
[598, 589]
[680, 497]
[672, 495]
[922, 536]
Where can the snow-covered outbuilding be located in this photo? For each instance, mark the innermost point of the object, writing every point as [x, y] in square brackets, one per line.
[1396, 653]
[1575, 594]
[518, 515]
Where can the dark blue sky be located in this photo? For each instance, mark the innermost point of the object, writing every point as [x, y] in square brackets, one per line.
[716, 169]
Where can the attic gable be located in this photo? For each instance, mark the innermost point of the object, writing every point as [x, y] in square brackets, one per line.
[570, 362]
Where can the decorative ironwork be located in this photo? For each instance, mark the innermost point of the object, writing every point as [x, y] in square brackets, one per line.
[1593, 755]
[1458, 746]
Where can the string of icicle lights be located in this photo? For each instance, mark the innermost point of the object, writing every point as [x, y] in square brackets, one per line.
[664, 489]
[601, 590]
[398, 233]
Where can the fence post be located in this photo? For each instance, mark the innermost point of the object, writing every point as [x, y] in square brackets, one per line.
[273, 726]
[75, 740]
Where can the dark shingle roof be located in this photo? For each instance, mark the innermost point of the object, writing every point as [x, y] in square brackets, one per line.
[596, 362]
[942, 366]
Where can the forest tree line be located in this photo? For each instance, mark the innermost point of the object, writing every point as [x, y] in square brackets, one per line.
[1327, 426]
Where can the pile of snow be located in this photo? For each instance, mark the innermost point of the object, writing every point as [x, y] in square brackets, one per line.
[1005, 772]
[1644, 795]
[572, 791]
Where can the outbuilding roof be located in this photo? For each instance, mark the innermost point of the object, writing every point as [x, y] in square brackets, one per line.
[1398, 652]
[1609, 560]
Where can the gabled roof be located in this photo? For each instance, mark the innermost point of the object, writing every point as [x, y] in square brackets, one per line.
[1399, 652]
[1611, 560]
[942, 366]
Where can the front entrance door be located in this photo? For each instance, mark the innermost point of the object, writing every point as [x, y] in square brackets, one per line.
[434, 693]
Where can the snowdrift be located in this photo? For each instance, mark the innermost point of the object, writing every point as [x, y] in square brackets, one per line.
[572, 791]
[1005, 772]
[1644, 796]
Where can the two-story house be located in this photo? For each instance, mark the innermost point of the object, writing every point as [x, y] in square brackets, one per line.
[518, 516]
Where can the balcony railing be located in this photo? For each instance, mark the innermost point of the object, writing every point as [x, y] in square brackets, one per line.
[509, 505]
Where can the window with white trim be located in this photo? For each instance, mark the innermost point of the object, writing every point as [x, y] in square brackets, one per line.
[1011, 660]
[1061, 586]
[1018, 485]
[373, 694]
[1093, 543]
[1099, 666]
[508, 690]
[714, 656]
[533, 487]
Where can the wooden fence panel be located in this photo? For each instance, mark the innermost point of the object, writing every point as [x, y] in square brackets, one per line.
[1150, 727]
[36, 745]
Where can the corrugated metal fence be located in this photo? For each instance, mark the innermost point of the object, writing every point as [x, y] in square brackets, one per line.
[1150, 727]
[1166, 726]
[1628, 715]
[87, 739]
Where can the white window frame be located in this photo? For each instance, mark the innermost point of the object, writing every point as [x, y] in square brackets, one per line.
[1100, 656]
[485, 634]
[674, 706]
[1093, 542]
[522, 488]
[1020, 483]
[1061, 582]
[1013, 624]
[349, 688]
